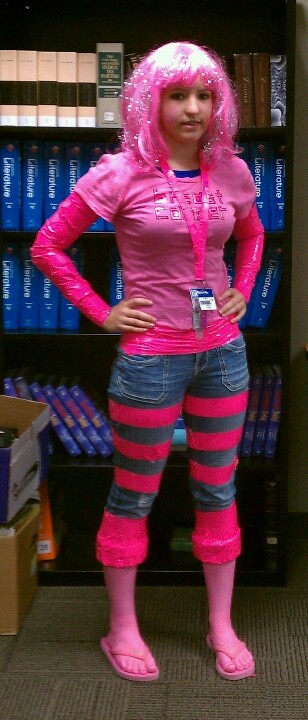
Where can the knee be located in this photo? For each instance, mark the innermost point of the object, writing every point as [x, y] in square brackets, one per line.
[128, 503]
[212, 497]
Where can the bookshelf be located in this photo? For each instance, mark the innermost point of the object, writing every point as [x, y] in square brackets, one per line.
[253, 26]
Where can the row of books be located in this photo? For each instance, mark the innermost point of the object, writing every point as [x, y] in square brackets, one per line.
[76, 419]
[75, 89]
[266, 160]
[262, 299]
[30, 301]
[262, 421]
[61, 89]
[260, 80]
[81, 426]
[36, 176]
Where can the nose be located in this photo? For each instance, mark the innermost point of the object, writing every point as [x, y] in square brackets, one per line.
[192, 105]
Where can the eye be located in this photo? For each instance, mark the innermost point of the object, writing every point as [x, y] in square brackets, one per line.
[205, 95]
[176, 95]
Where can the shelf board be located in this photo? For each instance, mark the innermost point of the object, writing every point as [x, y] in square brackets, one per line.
[177, 458]
[112, 134]
[76, 565]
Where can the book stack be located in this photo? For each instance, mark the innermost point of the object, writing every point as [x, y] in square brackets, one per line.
[75, 89]
[36, 176]
[262, 421]
[76, 421]
[48, 89]
[260, 80]
[262, 301]
[266, 160]
[30, 301]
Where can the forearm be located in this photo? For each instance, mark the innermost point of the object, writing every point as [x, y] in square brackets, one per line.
[249, 234]
[59, 232]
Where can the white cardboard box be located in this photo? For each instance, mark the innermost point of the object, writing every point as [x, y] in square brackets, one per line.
[24, 464]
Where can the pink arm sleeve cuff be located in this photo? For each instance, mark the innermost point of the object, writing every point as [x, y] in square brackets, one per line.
[249, 234]
[59, 232]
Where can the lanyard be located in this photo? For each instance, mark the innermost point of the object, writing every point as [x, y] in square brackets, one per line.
[197, 230]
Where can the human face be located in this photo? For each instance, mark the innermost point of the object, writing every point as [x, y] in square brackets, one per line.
[185, 113]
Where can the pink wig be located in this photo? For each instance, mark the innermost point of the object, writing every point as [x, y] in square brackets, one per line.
[174, 64]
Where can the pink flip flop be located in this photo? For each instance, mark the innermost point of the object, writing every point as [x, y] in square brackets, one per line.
[232, 654]
[110, 655]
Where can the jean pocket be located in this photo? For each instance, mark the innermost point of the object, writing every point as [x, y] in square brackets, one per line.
[233, 365]
[140, 377]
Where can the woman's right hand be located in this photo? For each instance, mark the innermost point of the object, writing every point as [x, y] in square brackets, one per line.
[126, 317]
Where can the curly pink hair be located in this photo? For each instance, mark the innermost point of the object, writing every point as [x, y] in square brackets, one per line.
[173, 64]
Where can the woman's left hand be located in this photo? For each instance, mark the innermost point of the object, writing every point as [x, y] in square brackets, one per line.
[233, 303]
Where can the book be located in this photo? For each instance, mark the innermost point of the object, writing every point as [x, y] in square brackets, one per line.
[32, 185]
[272, 431]
[277, 186]
[8, 88]
[86, 89]
[22, 388]
[94, 414]
[110, 76]
[69, 315]
[9, 388]
[93, 151]
[10, 168]
[51, 525]
[27, 87]
[57, 424]
[67, 89]
[181, 539]
[278, 85]
[10, 286]
[260, 166]
[267, 284]
[47, 88]
[73, 427]
[87, 427]
[54, 176]
[131, 60]
[73, 165]
[243, 78]
[29, 290]
[116, 278]
[254, 395]
[263, 411]
[49, 300]
[262, 88]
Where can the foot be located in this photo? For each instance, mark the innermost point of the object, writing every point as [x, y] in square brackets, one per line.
[233, 659]
[129, 656]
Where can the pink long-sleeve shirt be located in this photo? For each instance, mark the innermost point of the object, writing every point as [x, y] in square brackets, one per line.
[156, 248]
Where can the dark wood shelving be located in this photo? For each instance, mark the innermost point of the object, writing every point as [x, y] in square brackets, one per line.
[253, 26]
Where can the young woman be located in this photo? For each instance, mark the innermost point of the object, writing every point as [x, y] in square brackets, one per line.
[175, 192]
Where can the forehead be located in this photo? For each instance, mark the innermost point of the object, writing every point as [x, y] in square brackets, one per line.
[198, 84]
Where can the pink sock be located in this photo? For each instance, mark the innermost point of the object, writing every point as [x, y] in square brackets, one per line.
[217, 536]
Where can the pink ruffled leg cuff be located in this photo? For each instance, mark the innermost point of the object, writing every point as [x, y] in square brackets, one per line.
[122, 542]
[217, 536]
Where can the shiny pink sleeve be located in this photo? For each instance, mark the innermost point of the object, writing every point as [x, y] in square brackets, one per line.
[72, 218]
[249, 234]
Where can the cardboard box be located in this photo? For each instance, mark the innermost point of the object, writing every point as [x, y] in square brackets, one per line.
[18, 567]
[24, 464]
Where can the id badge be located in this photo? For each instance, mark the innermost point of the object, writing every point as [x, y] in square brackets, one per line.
[202, 300]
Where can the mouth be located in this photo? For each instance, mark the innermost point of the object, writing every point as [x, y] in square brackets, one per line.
[191, 123]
